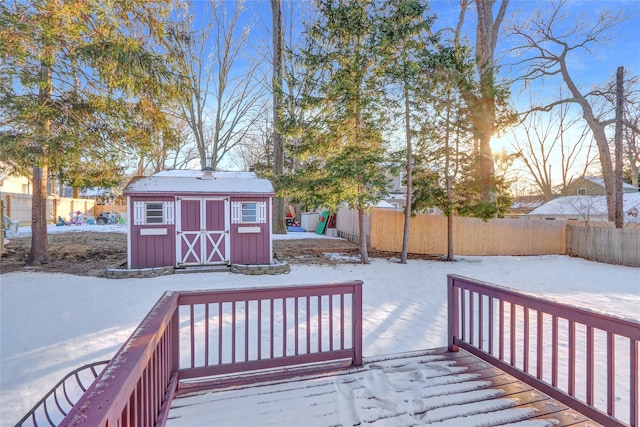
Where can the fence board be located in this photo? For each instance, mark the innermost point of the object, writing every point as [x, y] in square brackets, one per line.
[18, 207]
[619, 246]
[472, 236]
[348, 225]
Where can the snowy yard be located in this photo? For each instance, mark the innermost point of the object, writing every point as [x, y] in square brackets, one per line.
[53, 323]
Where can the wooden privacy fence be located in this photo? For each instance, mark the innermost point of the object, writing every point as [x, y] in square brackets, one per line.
[195, 334]
[550, 345]
[348, 225]
[472, 236]
[18, 207]
[619, 246]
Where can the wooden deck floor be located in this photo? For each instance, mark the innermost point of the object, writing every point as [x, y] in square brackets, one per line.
[424, 388]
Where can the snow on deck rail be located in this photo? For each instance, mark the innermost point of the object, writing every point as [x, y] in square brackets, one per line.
[194, 334]
[522, 334]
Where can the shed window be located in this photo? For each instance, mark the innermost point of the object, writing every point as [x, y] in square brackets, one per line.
[248, 212]
[153, 213]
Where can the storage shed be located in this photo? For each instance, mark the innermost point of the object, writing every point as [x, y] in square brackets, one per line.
[186, 218]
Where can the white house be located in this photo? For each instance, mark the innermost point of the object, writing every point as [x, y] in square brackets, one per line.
[587, 208]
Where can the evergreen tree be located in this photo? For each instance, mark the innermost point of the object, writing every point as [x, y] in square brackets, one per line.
[340, 149]
[72, 73]
[403, 45]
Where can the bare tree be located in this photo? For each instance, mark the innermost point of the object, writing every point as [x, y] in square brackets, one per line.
[547, 43]
[189, 48]
[219, 102]
[255, 149]
[237, 94]
[174, 151]
[632, 144]
[630, 120]
[184, 153]
[545, 138]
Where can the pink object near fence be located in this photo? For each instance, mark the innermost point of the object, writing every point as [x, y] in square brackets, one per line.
[189, 335]
[508, 328]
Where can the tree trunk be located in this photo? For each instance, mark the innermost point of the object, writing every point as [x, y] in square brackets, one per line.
[633, 152]
[39, 253]
[39, 244]
[279, 226]
[450, 253]
[364, 253]
[597, 128]
[449, 179]
[1, 227]
[407, 208]
[619, 210]
[483, 114]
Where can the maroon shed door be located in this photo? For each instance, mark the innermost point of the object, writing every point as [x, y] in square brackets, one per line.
[202, 231]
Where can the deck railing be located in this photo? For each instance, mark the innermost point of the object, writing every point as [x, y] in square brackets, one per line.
[55, 405]
[585, 359]
[188, 335]
[250, 329]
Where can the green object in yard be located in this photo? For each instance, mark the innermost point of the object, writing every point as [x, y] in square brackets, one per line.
[322, 222]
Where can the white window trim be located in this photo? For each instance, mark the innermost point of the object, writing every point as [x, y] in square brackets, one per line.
[140, 213]
[236, 213]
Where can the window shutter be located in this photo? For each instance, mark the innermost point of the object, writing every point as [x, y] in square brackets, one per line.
[236, 212]
[261, 215]
[138, 213]
[168, 212]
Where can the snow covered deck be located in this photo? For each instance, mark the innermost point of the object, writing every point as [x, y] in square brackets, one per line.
[433, 387]
[173, 367]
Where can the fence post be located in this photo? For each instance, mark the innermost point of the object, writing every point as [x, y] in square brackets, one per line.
[1, 227]
[452, 313]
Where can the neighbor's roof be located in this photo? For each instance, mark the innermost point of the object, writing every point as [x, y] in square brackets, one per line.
[589, 206]
[190, 181]
[600, 182]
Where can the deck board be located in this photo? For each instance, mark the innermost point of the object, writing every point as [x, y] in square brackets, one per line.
[430, 388]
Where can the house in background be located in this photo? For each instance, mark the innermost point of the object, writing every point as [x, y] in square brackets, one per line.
[184, 218]
[587, 208]
[523, 205]
[15, 184]
[593, 186]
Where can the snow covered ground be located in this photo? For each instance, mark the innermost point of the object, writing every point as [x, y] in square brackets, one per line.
[53, 323]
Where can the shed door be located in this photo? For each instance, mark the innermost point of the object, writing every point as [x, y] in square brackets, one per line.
[202, 231]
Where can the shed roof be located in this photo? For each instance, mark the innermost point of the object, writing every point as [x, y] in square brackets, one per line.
[191, 181]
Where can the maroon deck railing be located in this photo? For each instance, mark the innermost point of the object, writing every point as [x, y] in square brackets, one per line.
[548, 345]
[188, 335]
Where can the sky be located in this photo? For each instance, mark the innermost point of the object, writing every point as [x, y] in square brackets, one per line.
[592, 67]
[588, 67]
[53, 323]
